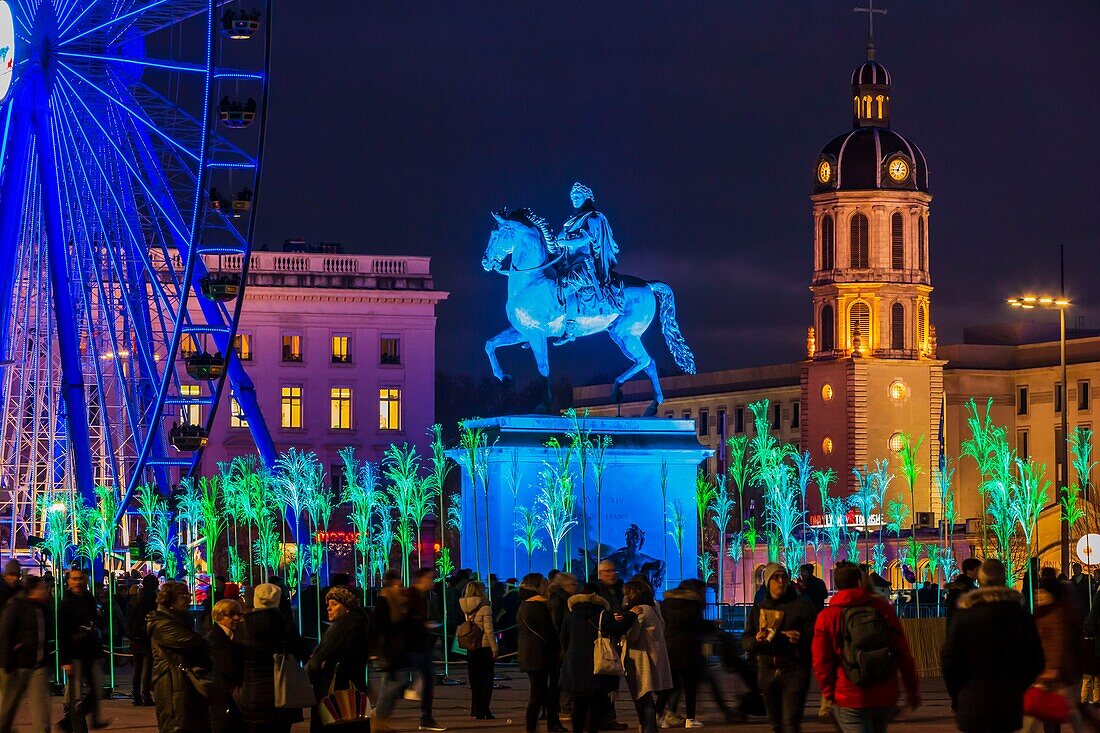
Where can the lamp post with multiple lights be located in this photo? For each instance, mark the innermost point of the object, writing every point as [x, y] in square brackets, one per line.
[1061, 304]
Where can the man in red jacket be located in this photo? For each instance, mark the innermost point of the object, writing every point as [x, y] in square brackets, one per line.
[870, 705]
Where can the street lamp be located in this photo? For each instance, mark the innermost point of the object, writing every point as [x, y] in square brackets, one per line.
[1061, 304]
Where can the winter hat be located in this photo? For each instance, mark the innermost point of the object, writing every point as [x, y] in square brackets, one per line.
[13, 567]
[266, 596]
[343, 596]
[771, 569]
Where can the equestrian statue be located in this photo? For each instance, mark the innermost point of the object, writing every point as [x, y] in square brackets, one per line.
[565, 286]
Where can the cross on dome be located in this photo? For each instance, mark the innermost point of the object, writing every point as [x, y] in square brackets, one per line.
[871, 11]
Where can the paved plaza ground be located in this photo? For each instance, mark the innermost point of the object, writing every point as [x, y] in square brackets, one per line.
[452, 704]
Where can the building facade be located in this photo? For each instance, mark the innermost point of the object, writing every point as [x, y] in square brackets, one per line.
[341, 349]
[873, 373]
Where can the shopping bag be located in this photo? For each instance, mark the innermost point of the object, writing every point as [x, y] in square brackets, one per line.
[292, 688]
[1046, 705]
[606, 657]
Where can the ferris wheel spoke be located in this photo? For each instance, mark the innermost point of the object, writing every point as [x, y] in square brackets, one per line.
[175, 220]
[113, 24]
[224, 154]
[147, 63]
[12, 204]
[67, 21]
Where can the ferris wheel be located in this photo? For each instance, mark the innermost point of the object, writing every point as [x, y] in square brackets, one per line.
[133, 133]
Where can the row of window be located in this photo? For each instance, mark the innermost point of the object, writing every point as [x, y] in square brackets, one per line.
[859, 324]
[1084, 397]
[290, 408]
[859, 243]
[739, 419]
[340, 348]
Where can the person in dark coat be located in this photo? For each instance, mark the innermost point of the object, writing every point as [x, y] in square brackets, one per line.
[1059, 621]
[992, 654]
[225, 617]
[610, 584]
[23, 656]
[262, 634]
[590, 691]
[965, 581]
[180, 708]
[138, 631]
[685, 631]
[812, 588]
[779, 632]
[10, 584]
[539, 653]
[79, 648]
[563, 587]
[340, 660]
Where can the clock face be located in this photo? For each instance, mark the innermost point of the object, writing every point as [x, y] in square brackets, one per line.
[7, 49]
[824, 171]
[899, 169]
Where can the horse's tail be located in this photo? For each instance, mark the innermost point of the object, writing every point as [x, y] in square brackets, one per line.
[677, 346]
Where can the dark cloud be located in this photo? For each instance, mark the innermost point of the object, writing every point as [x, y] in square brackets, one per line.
[395, 127]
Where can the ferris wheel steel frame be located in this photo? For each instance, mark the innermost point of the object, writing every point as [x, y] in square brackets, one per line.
[107, 228]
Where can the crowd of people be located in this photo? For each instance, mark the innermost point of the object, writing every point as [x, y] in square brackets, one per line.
[1011, 660]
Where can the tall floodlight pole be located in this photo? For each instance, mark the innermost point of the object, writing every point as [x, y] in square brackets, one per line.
[1061, 304]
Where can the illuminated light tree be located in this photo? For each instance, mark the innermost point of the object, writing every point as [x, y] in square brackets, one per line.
[298, 475]
[836, 518]
[237, 570]
[948, 510]
[823, 479]
[252, 500]
[454, 513]
[706, 566]
[422, 506]
[268, 548]
[722, 511]
[980, 448]
[555, 498]
[362, 496]
[897, 513]
[1029, 496]
[804, 470]
[868, 498]
[512, 477]
[677, 519]
[475, 445]
[815, 540]
[738, 470]
[600, 444]
[580, 444]
[402, 467]
[910, 469]
[1080, 447]
[750, 534]
[527, 527]
[441, 469]
[384, 538]
[735, 552]
[189, 515]
[853, 546]
[213, 519]
[158, 524]
[704, 498]
[878, 558]
[782, 517]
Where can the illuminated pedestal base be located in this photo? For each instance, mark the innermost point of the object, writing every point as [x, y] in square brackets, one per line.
[631, 492]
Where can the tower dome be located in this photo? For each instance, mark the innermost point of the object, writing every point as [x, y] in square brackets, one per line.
[871, 156]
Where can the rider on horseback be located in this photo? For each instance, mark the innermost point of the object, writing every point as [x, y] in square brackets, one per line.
[586, 274]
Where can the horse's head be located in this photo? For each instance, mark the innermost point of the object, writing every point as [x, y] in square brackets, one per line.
[522, 234]
[501, 243]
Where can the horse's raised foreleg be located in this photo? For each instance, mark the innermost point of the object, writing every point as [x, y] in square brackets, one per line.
[542, 361]
[508, 337]
[633, 349]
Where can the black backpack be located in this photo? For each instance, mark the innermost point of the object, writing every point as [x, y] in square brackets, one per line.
[470, 635]
[867, 647]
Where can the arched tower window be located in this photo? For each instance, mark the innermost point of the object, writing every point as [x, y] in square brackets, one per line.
[897, 242]
[921, 245]
[828, 246]
[828, 328]
[897, 326]
[922, 326]
[859, 241]
[859, 324]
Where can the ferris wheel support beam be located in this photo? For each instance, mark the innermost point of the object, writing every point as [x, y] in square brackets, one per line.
[68, 341]
[11, 209]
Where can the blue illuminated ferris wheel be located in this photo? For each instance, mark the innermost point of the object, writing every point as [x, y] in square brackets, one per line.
[133, 134]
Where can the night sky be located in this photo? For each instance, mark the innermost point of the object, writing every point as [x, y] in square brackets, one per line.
[396, 127]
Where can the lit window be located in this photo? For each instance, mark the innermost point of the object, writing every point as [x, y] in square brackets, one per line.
[340, 408]
[236, 414]
[826, 392]
[292, 406]
[389, 408]
[827, 446]
[389, 349]
[341, 349]
[292, 347]
[896, 443]
[190, 414]
[188, 346]
[859, 323]
[898, 390]
[242, 342]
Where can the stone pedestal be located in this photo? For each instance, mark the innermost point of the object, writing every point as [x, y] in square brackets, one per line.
[641, 449]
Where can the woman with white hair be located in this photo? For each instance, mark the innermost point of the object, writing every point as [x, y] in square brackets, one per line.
[262, 634]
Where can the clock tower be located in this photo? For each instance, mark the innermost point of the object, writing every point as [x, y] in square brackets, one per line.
[871, 374]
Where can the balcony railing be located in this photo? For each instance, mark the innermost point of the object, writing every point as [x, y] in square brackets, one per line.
[319, 269]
